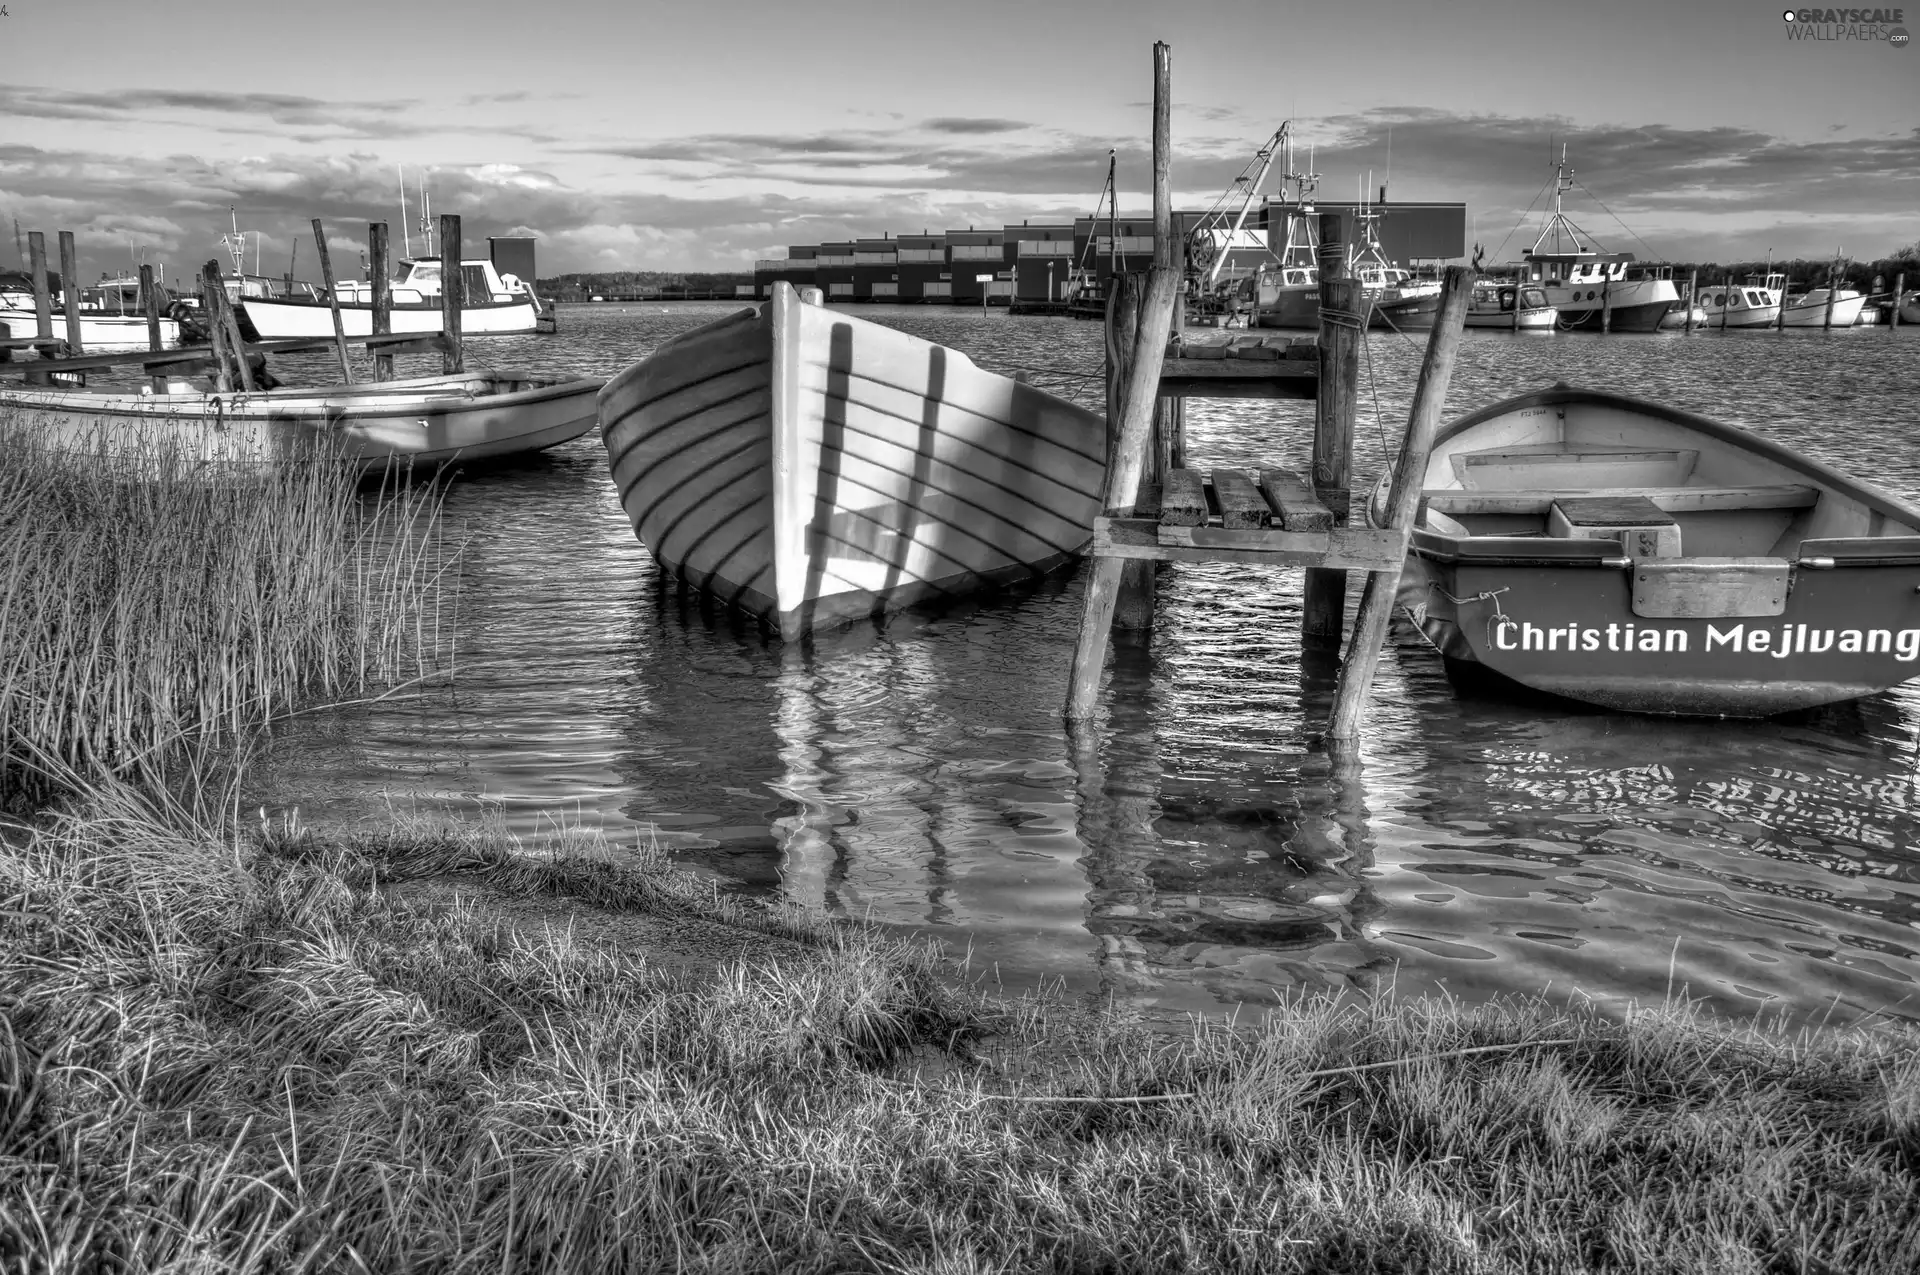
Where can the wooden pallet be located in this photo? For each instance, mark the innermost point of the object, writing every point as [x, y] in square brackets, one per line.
[1228, 515]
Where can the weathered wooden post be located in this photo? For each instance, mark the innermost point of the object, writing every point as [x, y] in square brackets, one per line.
[70, 292]
[1403, 502]
[42, 295]
[1899, 298]
[1693, 296]
[1786, 286]
[453, 293]
[1128, 461]
[333, 302]
[382, 295]
[1606, 302]
[1833, 288]
[150, 302]
[1342, 330]
[1133, 606]
[214, 299]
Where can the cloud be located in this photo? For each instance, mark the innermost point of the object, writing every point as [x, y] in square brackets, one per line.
[967, 124]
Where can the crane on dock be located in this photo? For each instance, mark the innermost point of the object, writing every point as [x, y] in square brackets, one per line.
[1214, 235]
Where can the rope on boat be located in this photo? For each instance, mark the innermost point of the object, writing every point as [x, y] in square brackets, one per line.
[1498, 619]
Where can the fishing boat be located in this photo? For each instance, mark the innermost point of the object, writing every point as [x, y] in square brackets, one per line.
[1505, 304]
[496, 305]
[112, 318]
[1590, 288]
[1741, 305]
[809, 467]
[423, 420]
[1642, 558]
[1809, 309]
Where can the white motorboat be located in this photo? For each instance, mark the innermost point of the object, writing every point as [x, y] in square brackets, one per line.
[496, 305]
[1809, 309]
[1741, 305]
[809, 467]
[111, 317]
[1505, 304]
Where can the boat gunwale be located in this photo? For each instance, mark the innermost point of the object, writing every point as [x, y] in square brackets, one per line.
[258, 406]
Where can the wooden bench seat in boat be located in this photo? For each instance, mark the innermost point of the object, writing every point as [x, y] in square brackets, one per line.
[1673, 500]
[1643, 529]
[1535, 467]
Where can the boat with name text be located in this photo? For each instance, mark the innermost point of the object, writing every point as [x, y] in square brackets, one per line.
[1643, 558]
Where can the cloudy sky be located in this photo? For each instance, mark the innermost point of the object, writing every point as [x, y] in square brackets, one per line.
[703, 134]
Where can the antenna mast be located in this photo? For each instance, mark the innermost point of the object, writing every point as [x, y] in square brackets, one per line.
[406, 230]
[235, 243]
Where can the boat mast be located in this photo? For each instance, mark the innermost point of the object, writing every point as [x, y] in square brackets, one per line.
[1557, 221]
[406, 231]
[236, 244]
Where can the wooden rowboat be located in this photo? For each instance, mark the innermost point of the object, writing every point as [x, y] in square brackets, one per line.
[424, 420]
[1643, 558]
[810, 467]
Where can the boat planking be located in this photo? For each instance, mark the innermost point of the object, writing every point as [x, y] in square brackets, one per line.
[1642, 558]
[809, 468]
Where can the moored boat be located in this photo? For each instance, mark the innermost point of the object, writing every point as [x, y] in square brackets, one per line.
[1646, 559]
[1504, 304]
[111, 316]
[423, 420]
[496, 305]
[808, 467]
[1593, 289]
[1741, 305]
[1809, 309]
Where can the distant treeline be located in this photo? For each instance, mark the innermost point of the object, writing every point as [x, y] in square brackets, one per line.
[1805, 272]
[629, 283]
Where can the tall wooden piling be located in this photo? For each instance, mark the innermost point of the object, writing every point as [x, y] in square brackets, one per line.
[382, 295]
[213, 297]
[1899, 297]
[1128, 460]
[70, 292]
[1833, 288]
[1133, 606]
[42, 296]
[453, 293]
[1409, 478]
[1606, 303]
[333, 302]
[150, 302]
[1693, 300]
[1342, 330]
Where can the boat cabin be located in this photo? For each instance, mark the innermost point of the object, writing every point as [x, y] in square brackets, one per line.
[1501, 295]
[1574, 270]
[416, 281]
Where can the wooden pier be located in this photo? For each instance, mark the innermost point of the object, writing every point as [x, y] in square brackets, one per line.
[1162, 508]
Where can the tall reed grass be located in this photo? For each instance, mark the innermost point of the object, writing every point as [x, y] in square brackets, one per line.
[147, 596]
[263, 1057]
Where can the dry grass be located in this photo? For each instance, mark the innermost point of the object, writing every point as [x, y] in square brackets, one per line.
[256, 1056]
[148, 598]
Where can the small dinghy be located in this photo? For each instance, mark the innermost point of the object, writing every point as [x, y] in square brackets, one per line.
[424, 420]
[1643, 558]
[809, 467]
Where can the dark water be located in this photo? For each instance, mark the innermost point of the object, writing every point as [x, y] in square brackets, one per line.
[1200, 850]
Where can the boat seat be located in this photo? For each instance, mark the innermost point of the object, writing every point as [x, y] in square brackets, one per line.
[1672, 500]
[1533, 468]
[1643, 529]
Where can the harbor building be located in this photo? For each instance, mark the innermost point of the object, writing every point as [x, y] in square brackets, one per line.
[1036, 262]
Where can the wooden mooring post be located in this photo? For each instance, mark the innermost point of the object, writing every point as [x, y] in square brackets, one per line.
[150, 301]
[1693, 300]
[1133, 605]
[1409, 477]
[1343, 323]
[382, 295]
[70, 292]
[1899, 298]
[213, 297]
[1833, 288]
[333, 302]
[42, 294]
[1127, 461]
[453, 293]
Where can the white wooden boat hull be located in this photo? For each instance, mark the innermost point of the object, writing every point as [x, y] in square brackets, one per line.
[426, 420]
[99, 333]
[1813, 314]
[809, 467]
[278, 319]
[1645, 559]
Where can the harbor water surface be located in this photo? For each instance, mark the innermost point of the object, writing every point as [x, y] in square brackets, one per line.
[1199, 850]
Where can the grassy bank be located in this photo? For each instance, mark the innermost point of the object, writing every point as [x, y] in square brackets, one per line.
[145, 599]
[271, 1057]
[233, 1048]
